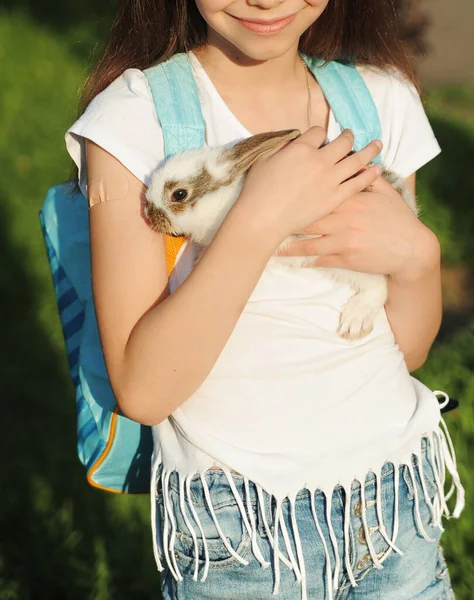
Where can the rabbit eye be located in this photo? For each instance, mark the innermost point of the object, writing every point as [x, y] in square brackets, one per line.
[180, 195]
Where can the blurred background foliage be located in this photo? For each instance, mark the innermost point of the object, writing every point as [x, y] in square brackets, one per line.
[59, 538]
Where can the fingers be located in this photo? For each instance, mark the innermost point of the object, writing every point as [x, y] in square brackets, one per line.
[340, 147]
[384, 187]
[320, 246]
[350, 165]
[304, 247]
[315, 137]
[359, 182]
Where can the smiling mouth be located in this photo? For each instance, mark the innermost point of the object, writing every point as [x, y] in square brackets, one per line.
[264, 27]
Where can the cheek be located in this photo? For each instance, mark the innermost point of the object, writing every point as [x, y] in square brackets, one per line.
[316, 8]
[209, 7]
[210, 11]
[312, 12]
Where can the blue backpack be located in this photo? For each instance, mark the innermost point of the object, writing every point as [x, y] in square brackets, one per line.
[116, 451]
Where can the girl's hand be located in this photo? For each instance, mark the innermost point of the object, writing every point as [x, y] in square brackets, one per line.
[303, 182]
[372, 232]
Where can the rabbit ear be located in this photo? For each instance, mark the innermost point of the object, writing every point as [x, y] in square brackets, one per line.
[245, 153]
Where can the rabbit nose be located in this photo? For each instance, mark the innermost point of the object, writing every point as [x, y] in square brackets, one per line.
[158, 219]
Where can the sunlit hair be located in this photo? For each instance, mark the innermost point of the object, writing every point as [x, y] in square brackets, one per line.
[146, 32]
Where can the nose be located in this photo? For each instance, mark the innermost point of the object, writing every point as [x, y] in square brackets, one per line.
[265, 3]
[159, 221]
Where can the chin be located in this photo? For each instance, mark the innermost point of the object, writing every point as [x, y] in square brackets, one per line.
[269, 51]
[263, 49]
[246, 46]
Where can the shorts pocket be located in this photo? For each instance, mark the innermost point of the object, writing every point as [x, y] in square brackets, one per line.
[427, 470]
[422, 503]
[196, 536]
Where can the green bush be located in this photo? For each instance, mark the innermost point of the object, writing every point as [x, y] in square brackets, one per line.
[446, 186]
[59, 538]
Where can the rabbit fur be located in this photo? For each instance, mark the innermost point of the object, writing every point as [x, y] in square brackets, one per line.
[195, 189]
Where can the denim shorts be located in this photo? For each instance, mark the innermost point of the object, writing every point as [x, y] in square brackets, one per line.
[420, 573]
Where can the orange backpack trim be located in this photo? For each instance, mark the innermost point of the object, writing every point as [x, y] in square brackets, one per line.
[172, 247]
[103, 456]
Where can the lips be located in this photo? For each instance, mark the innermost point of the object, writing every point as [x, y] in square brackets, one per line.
[266, 27]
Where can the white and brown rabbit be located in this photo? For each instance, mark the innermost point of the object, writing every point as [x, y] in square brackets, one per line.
[195, 189]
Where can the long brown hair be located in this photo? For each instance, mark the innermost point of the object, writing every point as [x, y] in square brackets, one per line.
[146, 32]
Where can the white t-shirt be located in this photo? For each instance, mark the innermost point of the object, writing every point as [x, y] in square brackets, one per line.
[122, 120]
[288, 403]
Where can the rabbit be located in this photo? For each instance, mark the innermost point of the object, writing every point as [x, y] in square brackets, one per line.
[195, 189]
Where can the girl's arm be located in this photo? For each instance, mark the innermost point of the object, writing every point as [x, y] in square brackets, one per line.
[376, 232]
[159, 348]
[414, 306]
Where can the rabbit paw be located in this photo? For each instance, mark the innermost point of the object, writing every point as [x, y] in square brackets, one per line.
[357, 318]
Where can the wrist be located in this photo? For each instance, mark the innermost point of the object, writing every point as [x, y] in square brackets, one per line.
[424, 260]
[249, 226]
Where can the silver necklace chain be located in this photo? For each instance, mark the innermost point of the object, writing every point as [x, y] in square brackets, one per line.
[308, 85]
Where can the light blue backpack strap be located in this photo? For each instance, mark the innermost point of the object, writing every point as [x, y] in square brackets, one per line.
[350, 100]
[177, 105]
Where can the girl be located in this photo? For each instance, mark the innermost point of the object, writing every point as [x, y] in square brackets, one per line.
[288, 460]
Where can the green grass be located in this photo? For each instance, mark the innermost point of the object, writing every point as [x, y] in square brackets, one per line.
[446, 185]
[59, 538]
